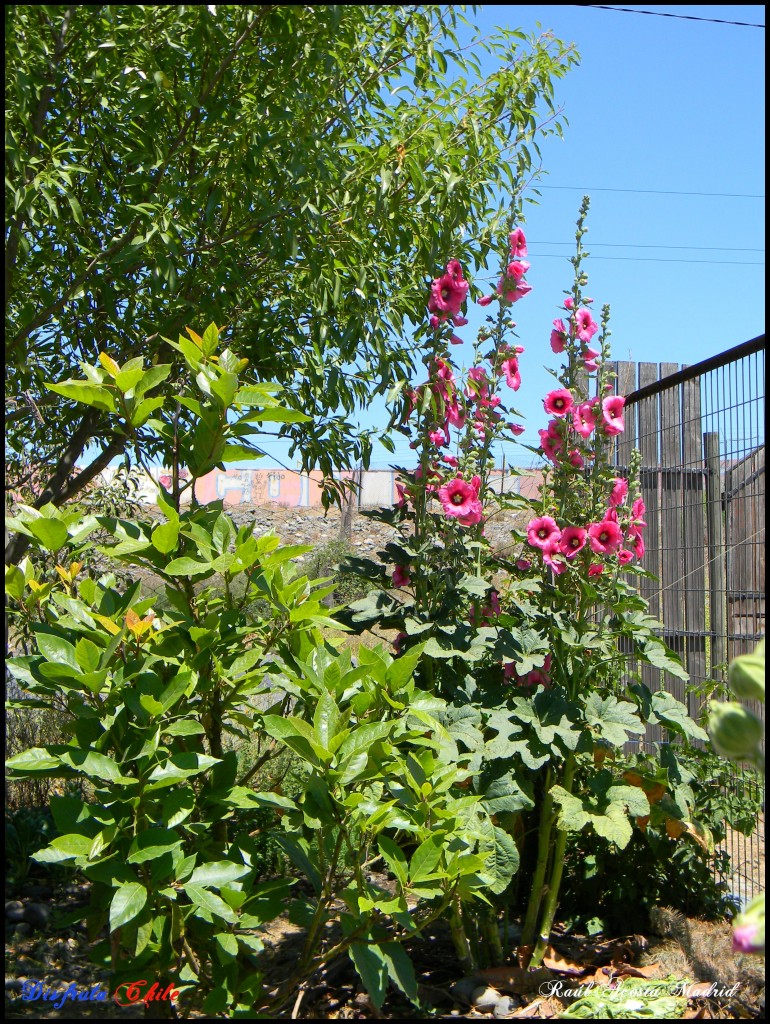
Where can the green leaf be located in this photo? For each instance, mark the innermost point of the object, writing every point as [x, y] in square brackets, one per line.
[394, 857]
[88, 655]
[326, 719]
[51, 533]
[296, 734]
[187, 567]
[227, 945]
[152, 844]
[210, 901]
[165, 537]
[674, 716]
[372, 968]
[57, 649]
[400, 969]
[95, 395]
[218, 873]
[14, 581]
[612, 718]
[127, 903]
[425, 858]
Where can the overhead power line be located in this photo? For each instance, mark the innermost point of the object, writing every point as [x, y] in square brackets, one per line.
[655, 192]
[664, 14]
[647, 259]
[635, 245]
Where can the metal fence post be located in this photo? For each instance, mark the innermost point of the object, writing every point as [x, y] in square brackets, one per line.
[716, 552]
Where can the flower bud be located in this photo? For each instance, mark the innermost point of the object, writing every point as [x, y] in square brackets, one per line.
[746, 676]
[749, 929]
[735, 732]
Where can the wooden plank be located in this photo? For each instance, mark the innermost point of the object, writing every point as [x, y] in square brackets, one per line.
[744, 496]
[624, 385]
[647, 440]
[694, 539]
[671, 526]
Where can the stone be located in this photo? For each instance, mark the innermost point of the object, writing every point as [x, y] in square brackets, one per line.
[22, 931]
[14, 910]
[505, 1006]
[38, 915]
[485, 999]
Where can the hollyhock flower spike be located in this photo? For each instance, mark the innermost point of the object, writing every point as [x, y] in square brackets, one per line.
[447, 294]
[625, 556]
[558, 403]
[557, 565]
[542, 531]
[612, 415]
[595, 570]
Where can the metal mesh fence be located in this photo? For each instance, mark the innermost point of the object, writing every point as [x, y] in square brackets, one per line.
[700, 430]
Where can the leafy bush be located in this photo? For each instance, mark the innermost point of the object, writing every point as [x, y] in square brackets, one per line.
[328, 560]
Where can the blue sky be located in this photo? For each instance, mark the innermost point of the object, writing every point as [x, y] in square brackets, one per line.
[658, 105]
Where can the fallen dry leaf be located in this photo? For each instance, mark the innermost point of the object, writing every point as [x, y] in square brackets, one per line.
[556, 962]
[648, 971]
[516, 980]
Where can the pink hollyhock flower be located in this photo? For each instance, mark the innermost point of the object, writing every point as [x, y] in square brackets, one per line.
[512, 294]
[591, 353]
[450, 460]
[518, 349]
[523, 564]
[517, 242]
[455, 340]
[403, 497]
[438, 437]
[588, 301]
[459, 321]
[509, 670]
[455, 415]
[747, 938]
[517, 270]
[494, 602]
[558, 336]
[443, 371]
[557, 565]
[604, 537]
[611, 515]
[558, 403]
[400, 576]
[542, 531]
[569, 302]
[537, 678]
[576, 459]
[510, 368]
[434, 321]
[619, 491]
[590, 366]
[583, 419]
[637, 543]
[447, 294]
[485, 300]
[516, 428]
[637, 511]
[454, 269]
[550, 444]
[595, 570]
[625, 556]
[460, 500]
[612, 415]
[573, 539]
[586, 325]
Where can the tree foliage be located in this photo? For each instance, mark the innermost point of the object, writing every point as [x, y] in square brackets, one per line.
[291, 173]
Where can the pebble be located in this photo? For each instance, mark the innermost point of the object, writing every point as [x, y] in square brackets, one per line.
[505, 1005]
[22, 931]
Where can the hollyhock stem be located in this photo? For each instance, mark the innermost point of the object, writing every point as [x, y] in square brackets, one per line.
[460, 937]
[554, 882]
[541, 866]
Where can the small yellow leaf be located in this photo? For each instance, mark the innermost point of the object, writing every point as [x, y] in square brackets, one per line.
[75, 568]
[195, 337]
[64, 574]
[108, 624]
[109, 365]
